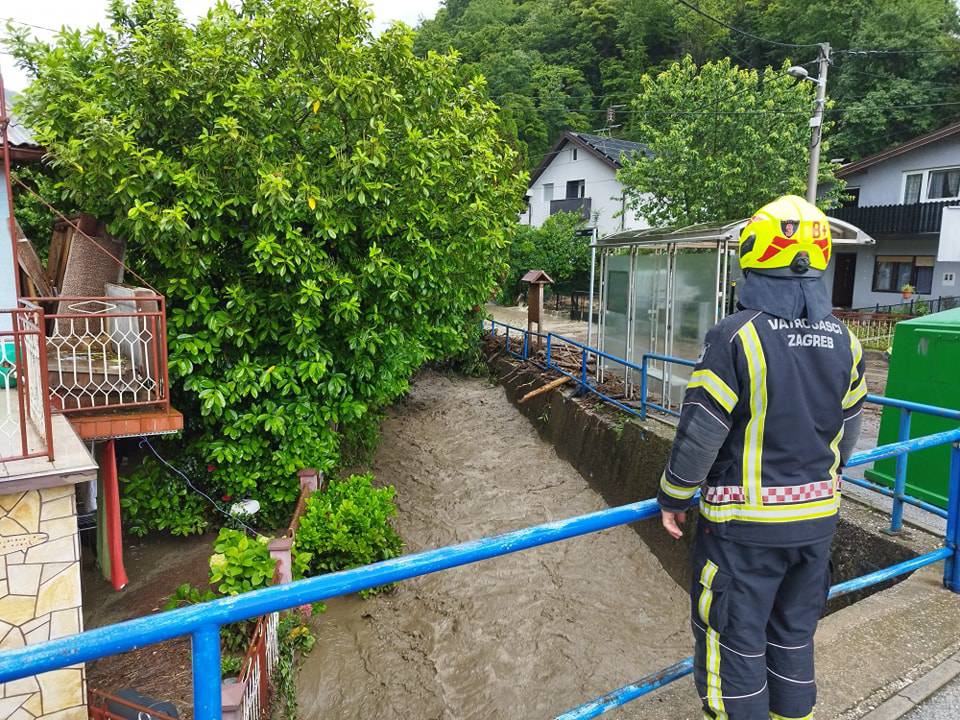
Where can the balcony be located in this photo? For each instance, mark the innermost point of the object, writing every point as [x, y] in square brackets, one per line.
[100, 362]
[574, 205]
[910, 219]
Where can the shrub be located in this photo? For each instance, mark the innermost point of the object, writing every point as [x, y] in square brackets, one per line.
[346, 526]
[322, 208]
[240, 564]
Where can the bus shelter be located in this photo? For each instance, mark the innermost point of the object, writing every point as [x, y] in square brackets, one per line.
[661, 290]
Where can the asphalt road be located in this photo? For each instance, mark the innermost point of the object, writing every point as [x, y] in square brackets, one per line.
[944, 705]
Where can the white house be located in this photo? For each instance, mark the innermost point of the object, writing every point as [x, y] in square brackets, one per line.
[579, 174]
[908, 198]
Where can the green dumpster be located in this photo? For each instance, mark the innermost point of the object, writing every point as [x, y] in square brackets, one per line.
[925, 368]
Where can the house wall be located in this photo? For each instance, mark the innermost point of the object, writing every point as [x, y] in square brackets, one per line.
[863, 294]
[882, 184]
[600, 185]
[40, 598]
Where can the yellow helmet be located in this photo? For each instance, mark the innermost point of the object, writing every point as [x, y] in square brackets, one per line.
[787, 233]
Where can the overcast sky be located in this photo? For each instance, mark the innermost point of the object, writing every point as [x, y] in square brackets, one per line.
[86, 13]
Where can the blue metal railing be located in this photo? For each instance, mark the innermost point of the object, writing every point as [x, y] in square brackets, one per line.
[898, 493]
[203, 621]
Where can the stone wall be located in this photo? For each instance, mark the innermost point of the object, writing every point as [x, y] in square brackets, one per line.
[40, 598]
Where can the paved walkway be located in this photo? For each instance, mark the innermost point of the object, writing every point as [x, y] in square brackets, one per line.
[944, 705]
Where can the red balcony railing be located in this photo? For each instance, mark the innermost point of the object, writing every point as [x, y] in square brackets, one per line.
[106, 353]
[25, 424]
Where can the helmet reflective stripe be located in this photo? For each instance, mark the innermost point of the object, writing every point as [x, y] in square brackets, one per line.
[753, 435]
[718, 389]
[783, 230]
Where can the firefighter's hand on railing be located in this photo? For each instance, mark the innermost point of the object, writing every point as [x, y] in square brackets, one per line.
[672, 522]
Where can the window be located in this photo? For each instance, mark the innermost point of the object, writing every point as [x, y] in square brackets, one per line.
[854, 194]
[911, 188]
[573, 153]
[575, 189]
[892, 272]
[943, 184]
[547, 192]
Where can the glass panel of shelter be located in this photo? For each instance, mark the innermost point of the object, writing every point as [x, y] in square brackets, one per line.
[663, 300]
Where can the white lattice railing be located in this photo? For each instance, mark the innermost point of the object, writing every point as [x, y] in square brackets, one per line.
[107, 353]
[257, 668]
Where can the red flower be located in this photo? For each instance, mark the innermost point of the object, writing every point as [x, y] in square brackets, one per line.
[227, 498]
[211, 468]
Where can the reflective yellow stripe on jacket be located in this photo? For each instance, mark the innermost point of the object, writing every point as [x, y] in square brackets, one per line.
[857, 389]
[713, 384]
[753, 436]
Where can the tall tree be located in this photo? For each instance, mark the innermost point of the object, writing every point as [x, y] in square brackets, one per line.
[322, 208]
[723, 141]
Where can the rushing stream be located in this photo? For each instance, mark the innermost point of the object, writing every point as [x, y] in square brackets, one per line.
[524, 636]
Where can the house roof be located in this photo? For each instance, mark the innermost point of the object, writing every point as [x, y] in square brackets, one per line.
[536, 276]
[915, 143]
[607, 149]
[22, 144]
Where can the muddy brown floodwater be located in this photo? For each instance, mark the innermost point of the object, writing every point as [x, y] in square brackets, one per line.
[523, 636]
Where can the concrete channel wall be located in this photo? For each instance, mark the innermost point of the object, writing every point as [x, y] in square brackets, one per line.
[622, 458]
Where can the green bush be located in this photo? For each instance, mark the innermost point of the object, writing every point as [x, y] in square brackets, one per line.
[153, 498]
[554, 247]
[240, 564]
[346, 526]
[322, 208]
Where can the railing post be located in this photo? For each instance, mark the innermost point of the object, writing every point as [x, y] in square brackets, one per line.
[900, 479]
[549, 339]
[526, 344]
[507, 341]
[951, 570]
[643, 386]
[206, 673]
[583, 367]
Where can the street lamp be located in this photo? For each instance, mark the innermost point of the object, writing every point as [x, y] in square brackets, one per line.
[816, 121]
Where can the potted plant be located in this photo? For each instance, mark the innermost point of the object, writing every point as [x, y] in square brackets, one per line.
[907, 291]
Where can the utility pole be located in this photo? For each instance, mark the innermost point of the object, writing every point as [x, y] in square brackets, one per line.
[816, 123]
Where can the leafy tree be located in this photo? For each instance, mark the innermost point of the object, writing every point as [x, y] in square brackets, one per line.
[323, 209]
[602, 48]
[554, 247]
[723, 142]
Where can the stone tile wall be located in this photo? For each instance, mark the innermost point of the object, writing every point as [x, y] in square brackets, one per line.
[40, 598]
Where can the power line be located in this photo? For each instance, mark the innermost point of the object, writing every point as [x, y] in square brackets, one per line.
[31, 25]
[750, 35]
[857, 51]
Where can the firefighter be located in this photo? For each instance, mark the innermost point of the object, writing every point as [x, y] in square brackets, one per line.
[770, 415]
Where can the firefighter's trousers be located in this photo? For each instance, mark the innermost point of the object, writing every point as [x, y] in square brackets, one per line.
[754, 614]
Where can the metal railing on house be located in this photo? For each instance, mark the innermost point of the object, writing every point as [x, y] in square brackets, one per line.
[922, 217]
[914, 306]
[25, 421]
[574, 205]
[107, 352]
